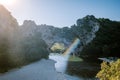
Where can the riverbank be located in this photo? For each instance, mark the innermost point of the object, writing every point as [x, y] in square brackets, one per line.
[83, 69]
[75, 66]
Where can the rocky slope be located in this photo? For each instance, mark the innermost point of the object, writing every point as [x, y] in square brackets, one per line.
[98, 36]
[84, 29]
[8, 25]
[106, 43]
[16, 49]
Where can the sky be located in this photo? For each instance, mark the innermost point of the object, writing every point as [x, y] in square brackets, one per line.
[61, 13]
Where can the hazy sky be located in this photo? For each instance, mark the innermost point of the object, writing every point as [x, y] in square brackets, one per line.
[62, 13]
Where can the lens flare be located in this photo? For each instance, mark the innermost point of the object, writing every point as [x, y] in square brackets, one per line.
[72, 47]
[61, 60]
[7, 2]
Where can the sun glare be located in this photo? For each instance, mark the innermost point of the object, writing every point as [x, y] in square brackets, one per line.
[7, 2]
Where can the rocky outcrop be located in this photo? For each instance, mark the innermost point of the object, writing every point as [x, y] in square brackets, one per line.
[84, 29]
[28, 28]
[106, 43]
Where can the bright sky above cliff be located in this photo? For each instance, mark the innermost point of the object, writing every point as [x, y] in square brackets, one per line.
[62, 13]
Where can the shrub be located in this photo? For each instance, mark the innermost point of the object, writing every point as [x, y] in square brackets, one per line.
[109, 71]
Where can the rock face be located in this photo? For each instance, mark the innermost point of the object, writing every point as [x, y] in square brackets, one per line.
[84, 29]
[28, 28]
[106, 43]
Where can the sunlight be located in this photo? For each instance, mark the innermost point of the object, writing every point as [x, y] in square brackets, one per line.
[7, 2]
[72, 47]
[62, 59]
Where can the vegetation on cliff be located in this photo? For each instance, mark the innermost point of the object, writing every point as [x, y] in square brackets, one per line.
[106, 43]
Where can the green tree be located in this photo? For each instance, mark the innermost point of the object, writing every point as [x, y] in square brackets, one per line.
[107, 41]
[34, 48]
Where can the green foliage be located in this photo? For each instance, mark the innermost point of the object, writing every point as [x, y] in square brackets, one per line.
[75, 58]
[5, 62]
[22, 52]
[109, 71]
[34, 48]
[91, 52]
[107, 41]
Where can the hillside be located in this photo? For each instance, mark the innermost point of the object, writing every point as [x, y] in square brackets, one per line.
[16, 48]
[106, 43]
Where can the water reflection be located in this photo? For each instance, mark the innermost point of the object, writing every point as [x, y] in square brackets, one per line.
[61, 61]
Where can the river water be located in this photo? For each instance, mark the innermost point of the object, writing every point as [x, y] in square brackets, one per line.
[61, 62]
[62, 59]
[42, 70]
[84, 70]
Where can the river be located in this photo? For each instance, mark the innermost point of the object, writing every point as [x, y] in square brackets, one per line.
[45, 69]
[81, 69]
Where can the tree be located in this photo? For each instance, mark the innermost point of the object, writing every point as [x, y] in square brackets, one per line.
[34, 48]
[106, 43]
